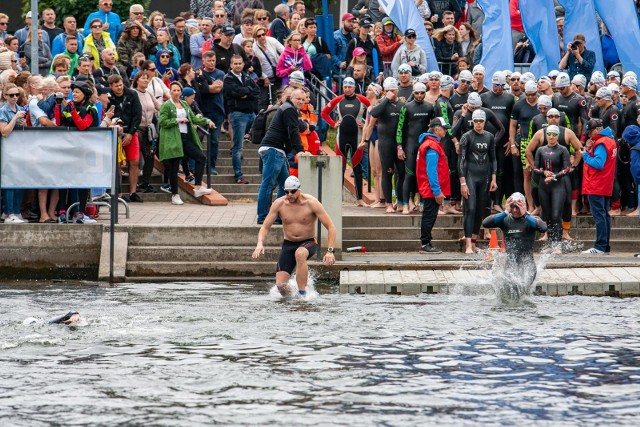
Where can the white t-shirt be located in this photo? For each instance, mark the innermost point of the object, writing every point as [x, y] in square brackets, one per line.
[35, 112]
[182, 114]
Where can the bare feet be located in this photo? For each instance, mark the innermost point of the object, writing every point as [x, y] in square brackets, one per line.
[469, 251]
[377, 205]
[390, 210]
[361, 203]
[634, 213]
[543, 238]
[497, 208]
[565, 236]
[405, 210]
[614, 212]
[449, 210]
[536, 211]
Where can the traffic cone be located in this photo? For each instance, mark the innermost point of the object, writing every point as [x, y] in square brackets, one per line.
[493, 246]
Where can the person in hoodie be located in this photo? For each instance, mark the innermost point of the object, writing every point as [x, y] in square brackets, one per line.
[432, 173]
[410, 53]
[166, 72]
[388, 41]
[293, 58]
[632, 135]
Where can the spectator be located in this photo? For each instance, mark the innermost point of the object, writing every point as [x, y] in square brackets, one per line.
[282, 137]
[365, 41]
[59, 42]
[342, 37]
[294, 19]
[317, 50]
[178, 138]
[44, 53]
[599, 155]
[278, 27]
[11, 115]
[241, 96]
[197, 42]
[60, 66]
[560, 27]
[246, 30]
[4, 25]
[84, 69]
[299, 8]
[444, 12]
[256, 69]
[389, 42]
[423, 9]
[135, 38]
[210, 83]
[156, 21]
[468, 41]
[97, 41]
[517, 30]
[8, 59]
[428, 26]
[475, 17]
[293, 58]
[261, 17]
[164, 45]
[21, 34]
[188, 79]
[17, 63]
[129, 111]
[578, 59]
[110, 20]
[109, 68]
[632, 135]
[448, 49]
[181, 39]
[267, 50]
[410, 53]
[49, 24]
[220, 17]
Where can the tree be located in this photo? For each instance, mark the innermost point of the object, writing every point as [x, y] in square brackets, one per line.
[82, 8]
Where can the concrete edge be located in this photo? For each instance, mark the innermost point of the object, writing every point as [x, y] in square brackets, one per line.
[213, 199]
[121, 246]
[349, 183]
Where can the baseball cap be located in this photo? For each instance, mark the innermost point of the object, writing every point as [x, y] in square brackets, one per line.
[390, 83]
[292, 183]
[359, 51]
[387, 20]
[563, 80]
[29, 15]
[479, 69]
[439, 122]
[349, 81]
[592, 124]
[552, 129]
[348, 17]
[103, 90]
[296, 77]
[545, 100]
[465, 75]
[630, 81]
[188, 91]
[604, 93]
[531, 86]
[404, 68]
[474, 100]
[410, 32]
[498, 78]
[579, 79]
[446, 82]
[228, 30]
[553, 112]
[366, 22]
[479, 115]
[419, 87]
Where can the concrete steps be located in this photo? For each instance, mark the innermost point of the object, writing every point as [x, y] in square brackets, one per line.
[186, 269]
[199, 253]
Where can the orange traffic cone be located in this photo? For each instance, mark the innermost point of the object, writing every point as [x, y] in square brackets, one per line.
[493, 242]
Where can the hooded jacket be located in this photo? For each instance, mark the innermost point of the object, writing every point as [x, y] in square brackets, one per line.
[432, 169]
[632, 135]
[600, 165]
[388, 45]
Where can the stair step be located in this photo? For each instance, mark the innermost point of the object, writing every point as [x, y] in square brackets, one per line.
[230, 179]
[224, 189]
[247, 161]
[200, 253]
[241, 197]
[199, 269]
[192, 236]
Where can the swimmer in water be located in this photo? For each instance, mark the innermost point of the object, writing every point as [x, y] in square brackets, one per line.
[519, 228]
[299, 213]
[67, 319]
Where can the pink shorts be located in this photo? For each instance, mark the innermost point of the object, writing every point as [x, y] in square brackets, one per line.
[132, 151]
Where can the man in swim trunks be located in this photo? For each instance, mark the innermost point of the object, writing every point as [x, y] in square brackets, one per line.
[299, 213]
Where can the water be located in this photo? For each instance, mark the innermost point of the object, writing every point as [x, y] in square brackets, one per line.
[193, 353]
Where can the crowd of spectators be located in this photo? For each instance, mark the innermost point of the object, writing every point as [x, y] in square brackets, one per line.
[157, 79]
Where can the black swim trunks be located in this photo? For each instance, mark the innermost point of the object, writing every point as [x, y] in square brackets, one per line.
[287, 260]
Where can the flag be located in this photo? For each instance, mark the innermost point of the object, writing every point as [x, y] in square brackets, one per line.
[580, 18]
[497, 47]
[405, 15]
[539, 21]
[621, 20]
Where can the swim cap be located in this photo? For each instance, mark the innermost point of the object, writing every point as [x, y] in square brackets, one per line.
[479, 69]
[446, 82]
[465, 75]
[479, 115]
[518, 197]
[553, 73]
[474, 100]
[630, 81]
[390, 84]
[292, 183]
[419, 87]
[498, 79]
[604, 93]
[349, 81]
[563, 80]
[423, 78]
[552, 129]
[545, 100]
[614, 88]
[579, 79]
[553, 112]
[404, 68]
[530, 86]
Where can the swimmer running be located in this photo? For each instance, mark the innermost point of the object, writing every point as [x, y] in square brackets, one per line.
[298, 212]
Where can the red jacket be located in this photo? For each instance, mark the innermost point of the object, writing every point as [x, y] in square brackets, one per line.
[424, 186]
[599, 182]
[388, 46]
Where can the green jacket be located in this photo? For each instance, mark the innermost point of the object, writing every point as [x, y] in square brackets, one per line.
[170, 140]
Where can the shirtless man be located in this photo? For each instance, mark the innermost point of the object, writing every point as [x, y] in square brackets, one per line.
[298, 212]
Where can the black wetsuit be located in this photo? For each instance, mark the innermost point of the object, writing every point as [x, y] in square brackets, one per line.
[388, 113]
[405, 93]
[540, 122]
[350, 110]
[477, 163]
[445, 110]
[553, 196]
[519, 237]
[574, 108]
[414, 120]
[458, 100]
[502, 106]
[462, 125]
[523, 113]
[630, 114]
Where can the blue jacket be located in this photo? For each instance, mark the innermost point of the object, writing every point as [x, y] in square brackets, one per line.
[58, 45]
[632, 135]
[115, 26]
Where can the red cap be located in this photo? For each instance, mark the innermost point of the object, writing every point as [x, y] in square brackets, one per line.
[348, 17]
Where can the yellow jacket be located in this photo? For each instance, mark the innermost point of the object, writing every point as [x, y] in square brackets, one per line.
[90, 47]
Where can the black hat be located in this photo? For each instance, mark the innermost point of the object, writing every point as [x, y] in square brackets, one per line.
[366, 22]
[103, 90]
[228, 30]
[410, 32]
[84, 87]
[592, 124]
[439, 122]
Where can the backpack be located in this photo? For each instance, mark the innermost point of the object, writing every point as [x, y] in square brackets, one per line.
[259, 126]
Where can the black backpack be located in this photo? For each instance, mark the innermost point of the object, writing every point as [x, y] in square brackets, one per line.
[259, 126]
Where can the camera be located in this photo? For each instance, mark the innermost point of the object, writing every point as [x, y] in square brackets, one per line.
[575, 46]
[59, 98]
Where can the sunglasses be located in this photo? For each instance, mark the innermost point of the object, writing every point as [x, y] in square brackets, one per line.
[221, 16]
[466, 82]
[478, 121]
[516, 79]
[4, 23]
[291, 191]
[96, 26]
[14, 60]
[85, 58]
[13, 95]
[412, 36]
[152, 69]
[264, 18]
[138, 13]
[164, 56]
[259, 36]
[553, 116]
[552, 134]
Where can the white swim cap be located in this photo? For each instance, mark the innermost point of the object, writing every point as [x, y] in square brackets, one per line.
[292, 183]
[479, 114]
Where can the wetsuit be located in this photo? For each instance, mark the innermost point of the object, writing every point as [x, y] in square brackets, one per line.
[444, 109]
[388, 113]
[405, 93]
[540, 122]
[287, 258]
[462, 125]
[570, 184]
[519, 237]
[349, 110]
[574, 108]
[553, 195]
[458, 100]
[502, 106]
[477, 163]
[414, 121]
[630, 114]
[522, 112]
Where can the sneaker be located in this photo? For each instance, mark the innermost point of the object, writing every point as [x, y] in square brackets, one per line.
[149, 189]
[247, 139]
[428, 249]
[134, 198]
[176, 200]
[140, 188]
[62, 218]
[191, 179]
[592, 251]
[242, 180]
[213, 171]
[202, 191]
[13, 219]
[81, 218]
[166, 188]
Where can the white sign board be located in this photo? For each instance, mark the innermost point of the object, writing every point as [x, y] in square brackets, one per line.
[57, 158]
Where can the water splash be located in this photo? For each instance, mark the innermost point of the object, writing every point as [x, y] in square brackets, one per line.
[292, 286]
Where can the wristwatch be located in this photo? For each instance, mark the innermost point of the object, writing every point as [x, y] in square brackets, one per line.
[331, 250]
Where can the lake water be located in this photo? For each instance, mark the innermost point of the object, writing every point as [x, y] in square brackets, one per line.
[195, 353]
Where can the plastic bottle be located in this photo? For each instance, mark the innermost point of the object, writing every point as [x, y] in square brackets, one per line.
[357, 249]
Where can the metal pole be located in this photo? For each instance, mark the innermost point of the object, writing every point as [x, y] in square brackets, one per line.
[320, 165]
[114, 203]
[35, 19]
